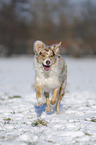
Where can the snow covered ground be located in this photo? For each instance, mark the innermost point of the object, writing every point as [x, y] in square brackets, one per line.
[76, 123]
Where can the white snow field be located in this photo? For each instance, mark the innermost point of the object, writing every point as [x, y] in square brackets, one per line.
[76, 123]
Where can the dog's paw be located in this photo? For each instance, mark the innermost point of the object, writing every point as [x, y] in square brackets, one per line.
[53, 102]
[40, 102]
[49, 109]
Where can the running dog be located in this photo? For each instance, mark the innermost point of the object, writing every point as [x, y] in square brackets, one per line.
[50, 74]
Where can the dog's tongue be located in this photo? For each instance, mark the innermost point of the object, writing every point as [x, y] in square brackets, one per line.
[46, 68]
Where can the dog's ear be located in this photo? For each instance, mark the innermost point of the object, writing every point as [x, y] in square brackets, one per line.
[38, 46]
[56, 47]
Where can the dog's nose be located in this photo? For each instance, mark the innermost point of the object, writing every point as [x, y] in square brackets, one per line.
[47, 62]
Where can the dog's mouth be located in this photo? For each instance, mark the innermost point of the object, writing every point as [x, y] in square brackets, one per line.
[46, 67]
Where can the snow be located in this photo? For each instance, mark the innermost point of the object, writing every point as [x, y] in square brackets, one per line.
[76, 123]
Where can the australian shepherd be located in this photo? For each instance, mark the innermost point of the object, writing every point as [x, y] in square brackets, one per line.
[50, 74]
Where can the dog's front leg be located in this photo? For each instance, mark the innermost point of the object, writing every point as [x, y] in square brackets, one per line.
[55, 96]
[39, 90]
[49, 107]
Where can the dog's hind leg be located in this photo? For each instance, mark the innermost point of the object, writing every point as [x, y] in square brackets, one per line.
[58, 103]
[61, 94]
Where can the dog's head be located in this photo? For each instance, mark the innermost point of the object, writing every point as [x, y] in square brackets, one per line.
[46, 55]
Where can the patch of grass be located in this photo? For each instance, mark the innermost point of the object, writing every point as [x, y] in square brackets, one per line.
[86, 133]
[14, 97]
[13, 112]
[93, 119]
[39, 122]
[50, 141]
[7, 120]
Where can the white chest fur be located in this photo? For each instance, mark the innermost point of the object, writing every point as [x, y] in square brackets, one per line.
[48, 80]
[48, 83]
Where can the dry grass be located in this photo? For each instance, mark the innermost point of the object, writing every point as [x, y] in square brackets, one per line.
[39, 122]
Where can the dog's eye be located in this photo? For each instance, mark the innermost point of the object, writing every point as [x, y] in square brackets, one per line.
[40, 53]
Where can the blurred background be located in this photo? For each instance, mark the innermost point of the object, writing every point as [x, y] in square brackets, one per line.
[71, 21]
